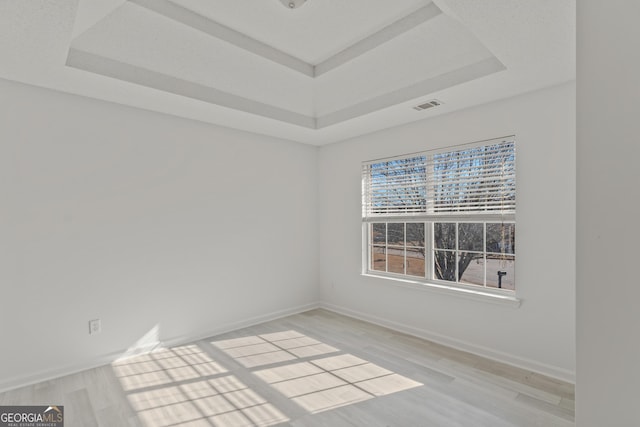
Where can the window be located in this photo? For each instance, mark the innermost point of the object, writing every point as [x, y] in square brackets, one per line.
[444, 216]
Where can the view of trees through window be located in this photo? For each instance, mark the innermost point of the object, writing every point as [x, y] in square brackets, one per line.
[398, 247]
[445, 216]
[474, 253]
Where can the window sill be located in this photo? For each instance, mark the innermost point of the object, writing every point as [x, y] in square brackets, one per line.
[473, 294]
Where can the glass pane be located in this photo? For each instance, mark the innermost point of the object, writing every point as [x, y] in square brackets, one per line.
[397, 185]
[415, 234]
[395, 233]
[415, 261]
[471, 268]
[501, 271]
[501, 238]
[444, 235]
[396, 260]
[444, 267]
[378, 258]
[379, 233]
[470, 236]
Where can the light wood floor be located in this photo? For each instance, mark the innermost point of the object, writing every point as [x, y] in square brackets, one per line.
[312, 369]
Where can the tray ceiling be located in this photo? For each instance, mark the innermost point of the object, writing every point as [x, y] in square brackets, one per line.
[323, 72]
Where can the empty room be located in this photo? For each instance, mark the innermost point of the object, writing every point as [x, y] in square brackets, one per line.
[318, 213]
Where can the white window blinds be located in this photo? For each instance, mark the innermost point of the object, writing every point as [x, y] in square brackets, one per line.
[395, 186]
[473, 179]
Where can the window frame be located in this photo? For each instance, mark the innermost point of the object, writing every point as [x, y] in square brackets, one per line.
[429, 219]
[371, 244]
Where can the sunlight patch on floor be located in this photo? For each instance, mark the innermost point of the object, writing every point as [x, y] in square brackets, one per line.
[166, 388]
[330, 382]
[184, 386]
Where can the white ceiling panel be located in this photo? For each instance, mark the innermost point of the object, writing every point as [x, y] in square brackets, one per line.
[444, 45]
[313, 32]
[91, 12]
[149, 41]
[35, 34]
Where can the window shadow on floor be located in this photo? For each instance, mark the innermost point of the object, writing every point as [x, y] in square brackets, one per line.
[188, 386]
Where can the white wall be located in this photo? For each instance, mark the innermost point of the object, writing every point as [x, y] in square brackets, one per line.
[608, 209]
[143, 219]
[140, 219]
[540, 333]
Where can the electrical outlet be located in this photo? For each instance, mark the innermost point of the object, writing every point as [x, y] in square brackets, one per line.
[95, 326]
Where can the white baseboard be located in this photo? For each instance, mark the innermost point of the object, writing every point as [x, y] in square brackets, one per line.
[50, 374]
[551, 371]
[520, 362]
[228, 327]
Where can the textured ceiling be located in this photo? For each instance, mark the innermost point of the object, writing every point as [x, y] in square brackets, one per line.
[323, 72]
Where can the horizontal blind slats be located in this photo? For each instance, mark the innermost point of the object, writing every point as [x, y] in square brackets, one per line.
[472, 180]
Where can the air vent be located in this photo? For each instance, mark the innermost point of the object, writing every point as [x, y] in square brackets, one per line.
[428, 104]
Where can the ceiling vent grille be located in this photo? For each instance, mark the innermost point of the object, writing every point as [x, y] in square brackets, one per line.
[428, 104]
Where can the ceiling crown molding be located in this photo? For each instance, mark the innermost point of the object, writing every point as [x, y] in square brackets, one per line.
[187, 17]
